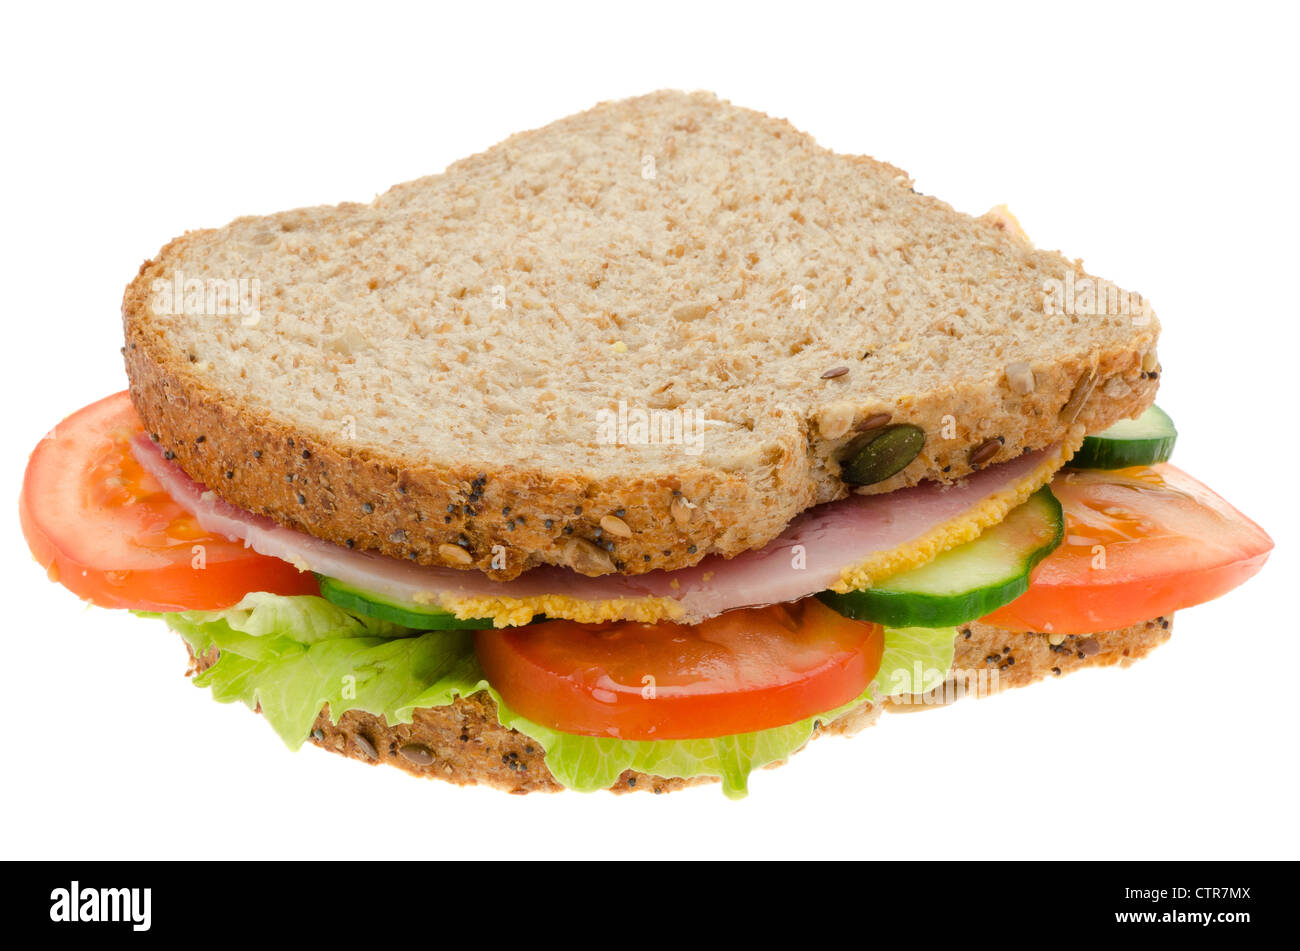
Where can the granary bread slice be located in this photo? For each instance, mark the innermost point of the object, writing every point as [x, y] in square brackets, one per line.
[441, 374]
[464, 742]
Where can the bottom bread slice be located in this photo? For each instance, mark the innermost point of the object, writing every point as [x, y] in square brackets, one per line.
[464, 744]
[989, 659]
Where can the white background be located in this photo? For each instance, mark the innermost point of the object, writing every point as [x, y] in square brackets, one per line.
[1157, 142]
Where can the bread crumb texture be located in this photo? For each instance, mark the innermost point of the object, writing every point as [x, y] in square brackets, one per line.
[667, 310]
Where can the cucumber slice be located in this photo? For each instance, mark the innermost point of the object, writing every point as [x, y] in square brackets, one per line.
[408, 614]
[966, 582]
[1130, 442]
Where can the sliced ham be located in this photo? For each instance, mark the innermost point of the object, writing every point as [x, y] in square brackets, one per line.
[834, 536]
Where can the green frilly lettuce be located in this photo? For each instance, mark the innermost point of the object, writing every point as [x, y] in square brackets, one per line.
[293, 655]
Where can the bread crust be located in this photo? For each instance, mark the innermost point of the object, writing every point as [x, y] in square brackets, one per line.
[1001, 660]
[502, 518]
[463, 743]
[519, 518]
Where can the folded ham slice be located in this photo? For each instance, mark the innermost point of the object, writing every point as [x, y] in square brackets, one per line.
[814, 553]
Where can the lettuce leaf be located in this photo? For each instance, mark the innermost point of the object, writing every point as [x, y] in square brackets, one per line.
[292, 655]
[303, 618]
[589, 763]
[915, 659]
[912, 656]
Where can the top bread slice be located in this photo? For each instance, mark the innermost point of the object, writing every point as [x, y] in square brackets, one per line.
[455, 372]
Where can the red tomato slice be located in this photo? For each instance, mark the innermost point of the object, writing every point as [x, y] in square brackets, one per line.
[1139, 543]
[740, 672]
[104, 528]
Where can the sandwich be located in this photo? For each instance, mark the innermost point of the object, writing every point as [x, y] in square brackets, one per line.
[632, 453]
